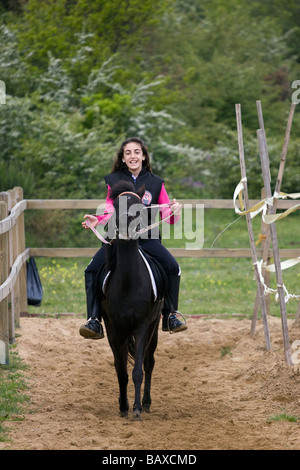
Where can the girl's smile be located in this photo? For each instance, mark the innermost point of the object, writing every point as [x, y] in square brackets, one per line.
[133, 157]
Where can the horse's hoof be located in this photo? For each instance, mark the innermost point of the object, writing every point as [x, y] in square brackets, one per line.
[146, 408]
[137, 416]
[124, 414]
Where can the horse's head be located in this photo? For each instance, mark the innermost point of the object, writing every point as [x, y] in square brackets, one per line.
[130, 210]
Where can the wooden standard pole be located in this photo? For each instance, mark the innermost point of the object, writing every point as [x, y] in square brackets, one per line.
[266, 178]
[297, 317]
[267, 242]
[250, 228]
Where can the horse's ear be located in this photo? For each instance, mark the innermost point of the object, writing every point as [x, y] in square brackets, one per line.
[141, 191]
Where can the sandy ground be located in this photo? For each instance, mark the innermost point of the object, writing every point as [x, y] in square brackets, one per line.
[200, 400]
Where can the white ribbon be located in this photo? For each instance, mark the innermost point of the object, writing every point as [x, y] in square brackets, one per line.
[268, 290]
[256, 209]
[263, 205]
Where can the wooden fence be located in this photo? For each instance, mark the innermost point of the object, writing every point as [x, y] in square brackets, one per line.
[14, 254]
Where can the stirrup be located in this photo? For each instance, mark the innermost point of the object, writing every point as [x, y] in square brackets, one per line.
[90, 333]
[93, 318]
[176, 312]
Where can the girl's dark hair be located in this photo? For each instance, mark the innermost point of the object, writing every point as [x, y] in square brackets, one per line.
[119, 165]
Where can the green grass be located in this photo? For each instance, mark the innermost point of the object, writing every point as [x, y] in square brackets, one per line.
[226, 350]
[63, 285]
[13, 388]
[284, 417]
[222, 286]
[209, 286]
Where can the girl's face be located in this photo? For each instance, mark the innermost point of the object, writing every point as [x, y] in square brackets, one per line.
[133, 157]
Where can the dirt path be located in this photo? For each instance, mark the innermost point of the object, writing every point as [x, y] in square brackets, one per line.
[200, 399]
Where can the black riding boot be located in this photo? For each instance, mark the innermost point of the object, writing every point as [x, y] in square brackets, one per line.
[170, 321]
[93, 328]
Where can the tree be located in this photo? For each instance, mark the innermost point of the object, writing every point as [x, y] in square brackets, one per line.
[112, 25]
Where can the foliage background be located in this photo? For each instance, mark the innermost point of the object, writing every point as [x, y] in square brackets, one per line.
[81, 76]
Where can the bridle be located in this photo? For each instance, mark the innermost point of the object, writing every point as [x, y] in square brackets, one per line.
[129, 192]
[138, 232]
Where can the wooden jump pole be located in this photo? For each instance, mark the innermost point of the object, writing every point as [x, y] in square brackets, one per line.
[266, 178]
[297, 317]
[250, 228]
[267, 242]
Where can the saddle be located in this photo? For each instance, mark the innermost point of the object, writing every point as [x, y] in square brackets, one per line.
[158, 277]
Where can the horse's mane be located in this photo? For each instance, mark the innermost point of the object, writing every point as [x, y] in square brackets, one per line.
[123, 186]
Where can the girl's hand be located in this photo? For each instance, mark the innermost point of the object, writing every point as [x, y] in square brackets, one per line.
[92, 219]
[176, 207]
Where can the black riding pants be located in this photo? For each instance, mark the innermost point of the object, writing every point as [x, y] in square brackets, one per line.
[157, 250]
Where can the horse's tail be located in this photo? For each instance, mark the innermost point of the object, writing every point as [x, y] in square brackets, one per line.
[131, 348]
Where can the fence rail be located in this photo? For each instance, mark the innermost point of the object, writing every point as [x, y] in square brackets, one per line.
[14, 254]
[95, 203]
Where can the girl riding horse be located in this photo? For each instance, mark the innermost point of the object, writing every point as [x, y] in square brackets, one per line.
[133, 164]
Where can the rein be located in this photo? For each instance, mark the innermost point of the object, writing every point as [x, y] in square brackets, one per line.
[156, 224]
[98, 234]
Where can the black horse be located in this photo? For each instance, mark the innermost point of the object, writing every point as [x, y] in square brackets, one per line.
[130, 310]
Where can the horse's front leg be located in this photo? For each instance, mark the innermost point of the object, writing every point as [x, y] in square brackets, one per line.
[137, 373]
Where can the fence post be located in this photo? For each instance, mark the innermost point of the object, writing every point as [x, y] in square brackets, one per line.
[13, 247]
[4, 272]
[23, 306]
